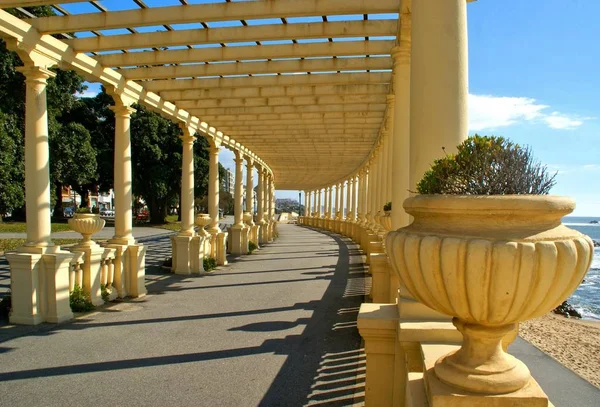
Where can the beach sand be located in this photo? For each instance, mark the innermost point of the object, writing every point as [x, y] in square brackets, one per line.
[574, 343]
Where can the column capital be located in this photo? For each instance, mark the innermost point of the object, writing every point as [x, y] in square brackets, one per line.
[249, 160]
[214, 146]
[35, 74]
[119, 97]
[401, 54]
[122, 111]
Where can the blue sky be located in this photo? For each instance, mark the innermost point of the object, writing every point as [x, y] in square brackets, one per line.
[533, 69]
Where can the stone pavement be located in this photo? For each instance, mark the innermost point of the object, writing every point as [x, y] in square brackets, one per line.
[277, 328]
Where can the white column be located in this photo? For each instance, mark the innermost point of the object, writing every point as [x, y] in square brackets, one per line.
[390, 150]
[341, 201]
[187, 182]
[37, 158]
[239, 174]
[260, 196]
[326, 202]
[123, 179]
[319, 203]
[250, 188]
[401, 127]
[349, 197]
[439, 71]
[213, 186]
[306, 203]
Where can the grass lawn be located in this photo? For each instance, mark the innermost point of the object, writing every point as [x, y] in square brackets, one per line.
[172, 224]
[12, 244]
[19, 227]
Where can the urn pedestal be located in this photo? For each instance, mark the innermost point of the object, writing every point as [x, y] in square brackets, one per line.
[489, 262]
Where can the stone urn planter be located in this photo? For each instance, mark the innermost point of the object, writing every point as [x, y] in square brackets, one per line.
[490, 262]
[203, 220]
[86, 224]
[247, 217]
[386, 221]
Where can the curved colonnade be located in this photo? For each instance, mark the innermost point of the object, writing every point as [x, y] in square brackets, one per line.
[358, 109]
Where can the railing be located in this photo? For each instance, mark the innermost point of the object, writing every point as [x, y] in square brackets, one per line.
[107, 272]
[76, 270]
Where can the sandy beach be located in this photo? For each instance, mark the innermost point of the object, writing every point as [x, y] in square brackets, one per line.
[574, 343]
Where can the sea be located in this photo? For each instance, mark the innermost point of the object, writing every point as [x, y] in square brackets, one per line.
[586, 299]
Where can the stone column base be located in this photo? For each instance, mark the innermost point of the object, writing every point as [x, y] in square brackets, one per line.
[380, 269]
[182, 249]
[263, 235]
[440, 394]
[238, 237]
[377, 324]
[255, 234]
[40, 287]
[220, 254]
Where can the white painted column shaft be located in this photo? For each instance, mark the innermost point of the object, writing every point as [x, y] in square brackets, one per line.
[123, 178]
[187, 182]
[37, 157]
[439, 76]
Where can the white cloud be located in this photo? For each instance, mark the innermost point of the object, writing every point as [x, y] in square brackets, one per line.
[559, 121]
[492, 112]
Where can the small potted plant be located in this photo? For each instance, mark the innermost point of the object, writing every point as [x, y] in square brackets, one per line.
[487, 247]
[86, 223]
[386, 219]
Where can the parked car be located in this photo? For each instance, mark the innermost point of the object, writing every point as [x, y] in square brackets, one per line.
[68, 212]
[107, 213]
[142, 215]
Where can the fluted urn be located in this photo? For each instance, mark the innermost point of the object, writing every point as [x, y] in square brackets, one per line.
[247, 217]
[386, 221]
[203, 220]
[86, 224]
[490, 262]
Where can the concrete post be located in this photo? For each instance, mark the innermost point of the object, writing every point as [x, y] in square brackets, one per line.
[390, 151]
[401, 128]
[238, 230]
[182, 242]
[261, 207]
[213, 186]
[37, 159]
[439, 71]
[122, 181]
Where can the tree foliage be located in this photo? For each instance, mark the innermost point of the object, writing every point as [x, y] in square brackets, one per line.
[487, 166]
[81, 140]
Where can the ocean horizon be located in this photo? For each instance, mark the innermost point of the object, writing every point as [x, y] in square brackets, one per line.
[586, 299]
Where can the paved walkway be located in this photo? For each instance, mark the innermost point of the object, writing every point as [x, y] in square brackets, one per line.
[277, 328]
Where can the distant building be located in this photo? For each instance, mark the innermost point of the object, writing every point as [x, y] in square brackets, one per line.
[227, 182]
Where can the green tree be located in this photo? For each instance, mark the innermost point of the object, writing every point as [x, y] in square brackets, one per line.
[11, 175]
[73, 160]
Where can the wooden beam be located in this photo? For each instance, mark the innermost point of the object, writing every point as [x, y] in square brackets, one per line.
[222, 95]
[211, 12]
[345, 29]
[270, 81]
[320, 49]
[259, 68]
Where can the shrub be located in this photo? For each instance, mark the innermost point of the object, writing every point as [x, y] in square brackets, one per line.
[83, 210]
[251, 247]
[104, 292]
[487, 166]
[80, 301]
[210, 263]
[387, 206]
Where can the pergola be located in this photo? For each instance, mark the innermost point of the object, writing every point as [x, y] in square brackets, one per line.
[347, 98]
[352, 98]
